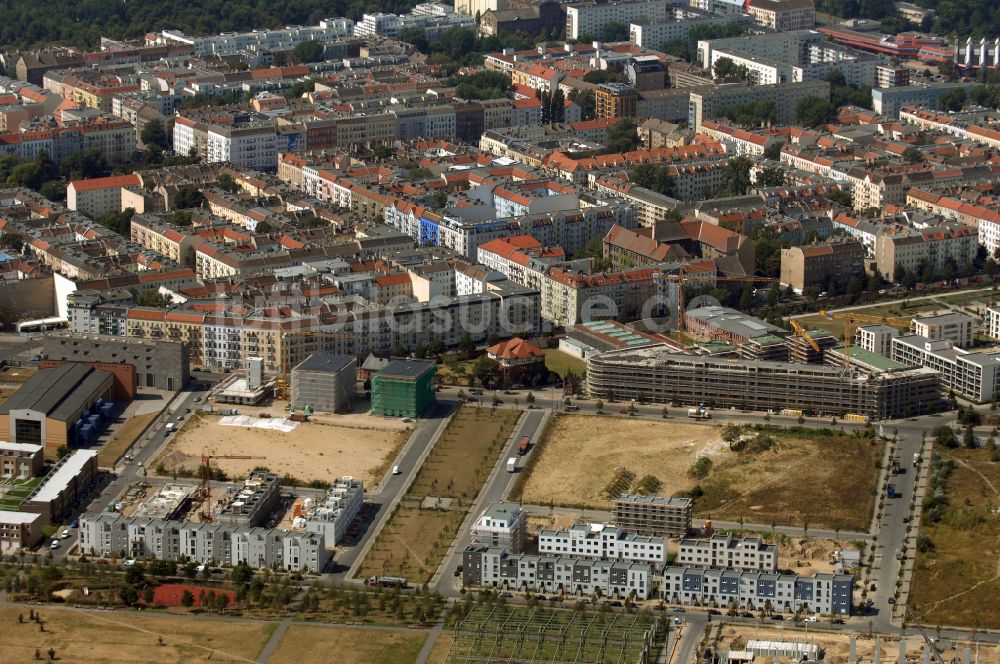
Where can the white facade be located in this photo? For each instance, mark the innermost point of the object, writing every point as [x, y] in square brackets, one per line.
[975, 376]
[728, 552]
[229, 43]
[604, 542]
[954, 327]
[341, 505]
[589, 19]
[501, 525]
[992, 322]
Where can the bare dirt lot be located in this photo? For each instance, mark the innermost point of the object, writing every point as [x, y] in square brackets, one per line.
[318, 450]
[837, 646]
[580, 453]
[808, 556]
[124, 636]
[307, 643]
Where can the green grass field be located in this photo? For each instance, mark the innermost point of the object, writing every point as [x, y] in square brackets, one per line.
[559, 362]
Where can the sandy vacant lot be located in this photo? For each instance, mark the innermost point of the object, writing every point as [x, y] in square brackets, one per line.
[313, 451]
[808, 556]
[837, 646]
[124, 636]
[581, 453]
[311, 643]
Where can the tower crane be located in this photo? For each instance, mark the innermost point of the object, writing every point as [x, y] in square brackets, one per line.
[851, 321]
[684, 277]
[802, 332]
[928, 640]
[205, 485]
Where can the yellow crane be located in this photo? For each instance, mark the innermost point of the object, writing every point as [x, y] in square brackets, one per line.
[851, 321]
[802, 332]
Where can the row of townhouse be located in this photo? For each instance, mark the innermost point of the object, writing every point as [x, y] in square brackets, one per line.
[113, 139]
[495, 567]
[521, 258]
[828, 594]
[583, 170]
[113, 535]
[982, 215]
[729, 552]
[605, 542]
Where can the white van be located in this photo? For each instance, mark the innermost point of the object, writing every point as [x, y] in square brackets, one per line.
[395, 470]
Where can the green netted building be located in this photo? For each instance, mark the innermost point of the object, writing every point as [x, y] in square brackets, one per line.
[403, 388]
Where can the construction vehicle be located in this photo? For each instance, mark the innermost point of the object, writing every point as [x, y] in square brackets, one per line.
[204, 492]
[522, 447]
[683, 277]
[699, 413]
[851, 321]
[512, 464]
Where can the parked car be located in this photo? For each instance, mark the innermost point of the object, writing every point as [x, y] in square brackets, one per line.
[75, 523]
[54, 545]
[65, 534]
[777, 617]
[810, 619]
[572, 407]
[714, 612]
[678, 609]
[892, 600]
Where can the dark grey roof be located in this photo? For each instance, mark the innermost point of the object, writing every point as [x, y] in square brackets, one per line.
[405, 368]
[57, 392]
[324, 362]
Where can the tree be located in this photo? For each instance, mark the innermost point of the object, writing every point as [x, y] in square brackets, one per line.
[771, 176]
[913, 155]
[128, 594]
[188, 197]
[227, 183]
[773, 151]
[485, 370]
[310, 51]
[944, 436]
[242, 574]
[726, 68]
[615, 31]
[382, 151]
[586, 101]
[599, 406]
[814, 111]
[969, 438]
[738, 175]
[530, 399]
[187, 599]
[153, 134]
[731, 434]
[952, 100]
[622, 136]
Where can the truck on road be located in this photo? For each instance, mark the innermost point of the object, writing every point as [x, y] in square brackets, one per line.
[699, 413]
[387, 582]
[522, 447]
[511, 464]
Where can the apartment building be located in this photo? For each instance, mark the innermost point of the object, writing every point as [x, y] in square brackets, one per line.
[521, 258]
[828, 594]
[653, 515]
[912, 250]
[814, 266]
[113, 535]
[604, 542]
[497, 568]
[99, 196]
[975, 376]
[728, 325]
[783, 15]
[615, 100]
[588, 19]
[251, 503]
[21, 460]
[890, 101]
[704, 105]
[657, 375]
[955, 327]
[231, 43]
[503, 525]
[570, 297]
[332, 515]
[876, 338]
[242, 138]
[725, 551]
[992, 322]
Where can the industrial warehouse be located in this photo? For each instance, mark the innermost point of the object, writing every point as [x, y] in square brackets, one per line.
[656, 374]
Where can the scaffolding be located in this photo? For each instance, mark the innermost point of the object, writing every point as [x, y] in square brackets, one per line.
[528, 636]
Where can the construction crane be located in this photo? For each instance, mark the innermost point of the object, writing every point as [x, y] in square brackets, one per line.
[205, 485]
[684, 277]
[283, 382]
[851, 321]
[928, 640]
[802, 332]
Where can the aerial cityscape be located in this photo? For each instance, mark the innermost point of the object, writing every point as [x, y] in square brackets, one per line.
[500, 331]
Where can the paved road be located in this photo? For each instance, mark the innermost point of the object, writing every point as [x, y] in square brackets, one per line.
[393, 487]
[496, 488]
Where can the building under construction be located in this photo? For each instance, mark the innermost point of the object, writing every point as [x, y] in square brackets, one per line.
[658, 375]
[324, 382]
[252, 503]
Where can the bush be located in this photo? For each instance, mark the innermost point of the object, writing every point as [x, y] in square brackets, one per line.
[701, 468]
[619, 484]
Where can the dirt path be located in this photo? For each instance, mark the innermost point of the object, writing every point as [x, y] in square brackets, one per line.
[967, 590]
[976, 471]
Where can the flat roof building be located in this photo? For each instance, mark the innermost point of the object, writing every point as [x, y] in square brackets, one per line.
[503, 524]
[324, 382]
[653, 515]
[46, 408]
[403, 388]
